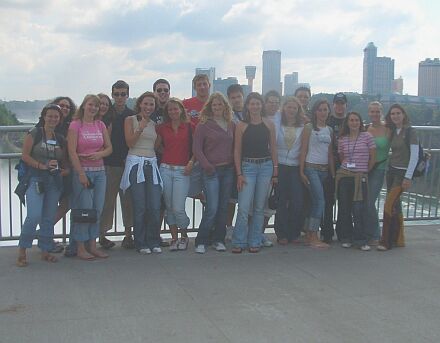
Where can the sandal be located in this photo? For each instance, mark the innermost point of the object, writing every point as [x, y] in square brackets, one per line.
[237, 250]
[254, 250]
[49, 258]
[21, 261]
[319, 245]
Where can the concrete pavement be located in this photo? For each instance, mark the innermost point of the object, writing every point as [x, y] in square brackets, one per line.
[282, 294]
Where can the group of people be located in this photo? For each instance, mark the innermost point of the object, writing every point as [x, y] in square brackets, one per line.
[254, 152]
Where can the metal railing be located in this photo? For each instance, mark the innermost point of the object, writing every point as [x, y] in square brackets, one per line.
[421, 202]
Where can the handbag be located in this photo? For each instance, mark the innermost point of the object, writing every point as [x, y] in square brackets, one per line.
[273, 200]
[83, 215]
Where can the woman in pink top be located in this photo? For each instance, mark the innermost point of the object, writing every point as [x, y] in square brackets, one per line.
[88, 143]
[357, 153]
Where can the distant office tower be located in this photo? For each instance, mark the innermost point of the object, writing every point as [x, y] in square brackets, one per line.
[429, 77]
[271, 71]
[221, 85]
[398, 86]
[290, 83]
[246, 90]
[211, 75]
[378, 72]
[250, 76]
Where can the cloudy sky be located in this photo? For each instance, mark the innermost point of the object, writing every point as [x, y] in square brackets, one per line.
[63, 47]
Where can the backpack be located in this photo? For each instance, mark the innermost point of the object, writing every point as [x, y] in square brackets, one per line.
[423, 158]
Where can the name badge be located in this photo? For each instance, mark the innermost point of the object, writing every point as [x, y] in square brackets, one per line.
[51, 142]
[351, 165]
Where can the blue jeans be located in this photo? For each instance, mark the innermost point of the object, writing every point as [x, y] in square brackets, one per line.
[317, 201]
[175, 191]
[217, 187]
[289, 218]
[257, 177]
[88, 198]
[375, 183]
[146, 198]
[41, 210]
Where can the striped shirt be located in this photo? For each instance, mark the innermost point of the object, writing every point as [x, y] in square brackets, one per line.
[356, 152]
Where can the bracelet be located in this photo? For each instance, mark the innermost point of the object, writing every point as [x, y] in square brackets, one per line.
[275, 166]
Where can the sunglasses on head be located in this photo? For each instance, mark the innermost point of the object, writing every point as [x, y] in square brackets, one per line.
[64, 106]
[116, 94]
[162, 90]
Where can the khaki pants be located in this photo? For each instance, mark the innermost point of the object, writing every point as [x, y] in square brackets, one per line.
[114, 175]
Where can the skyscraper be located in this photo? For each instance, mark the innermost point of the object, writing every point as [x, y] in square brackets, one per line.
[429, 78]
[211, 75]
[271, 71]
[250, 76]
[378, 73]
[290, 83]
[221, 85]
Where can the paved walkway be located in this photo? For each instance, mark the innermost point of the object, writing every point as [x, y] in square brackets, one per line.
[283, 294]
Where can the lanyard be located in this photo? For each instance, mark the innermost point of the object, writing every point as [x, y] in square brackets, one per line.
[351, 153]
[45, 144]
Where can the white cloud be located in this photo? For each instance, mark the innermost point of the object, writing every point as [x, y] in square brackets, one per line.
[75, 47]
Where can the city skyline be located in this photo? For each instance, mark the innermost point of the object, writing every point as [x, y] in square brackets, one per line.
[84, 49]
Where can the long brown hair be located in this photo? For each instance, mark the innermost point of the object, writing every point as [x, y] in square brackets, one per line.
[345, 130]
[389, 123]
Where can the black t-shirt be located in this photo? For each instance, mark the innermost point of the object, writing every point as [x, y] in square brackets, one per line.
[336, 125]
[157, 116]
[117, 138]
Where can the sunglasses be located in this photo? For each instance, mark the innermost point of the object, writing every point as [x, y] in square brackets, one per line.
[116, 94]
[162, 90]
[64, 106]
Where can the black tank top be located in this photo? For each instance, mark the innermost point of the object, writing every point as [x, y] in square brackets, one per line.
[255, 141]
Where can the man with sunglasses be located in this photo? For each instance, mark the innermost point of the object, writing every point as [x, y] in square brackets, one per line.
[114, 167]
[161, 88]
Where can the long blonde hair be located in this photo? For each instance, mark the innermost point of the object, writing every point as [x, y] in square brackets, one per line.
[79, 114]
[207, 109]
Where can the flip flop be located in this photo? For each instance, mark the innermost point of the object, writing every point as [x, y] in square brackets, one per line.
[49, 258]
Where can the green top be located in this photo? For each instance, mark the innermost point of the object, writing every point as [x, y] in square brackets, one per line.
[382, 151]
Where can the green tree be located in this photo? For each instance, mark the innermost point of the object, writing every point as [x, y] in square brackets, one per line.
[7, 118]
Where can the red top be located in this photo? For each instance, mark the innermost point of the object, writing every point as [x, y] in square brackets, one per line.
[193, 107]
[176, 146]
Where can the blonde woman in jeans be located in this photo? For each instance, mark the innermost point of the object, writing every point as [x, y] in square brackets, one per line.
[316, 162]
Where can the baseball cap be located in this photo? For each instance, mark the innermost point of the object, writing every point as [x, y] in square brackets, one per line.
[340, 97]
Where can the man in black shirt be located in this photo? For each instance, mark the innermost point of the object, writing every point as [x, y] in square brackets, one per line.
[335, 121]
[161, 88]
[114, 168]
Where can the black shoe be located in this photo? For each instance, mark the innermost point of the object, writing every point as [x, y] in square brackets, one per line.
[328, 240]
[127, 243]
[57, 248]
[106, 243]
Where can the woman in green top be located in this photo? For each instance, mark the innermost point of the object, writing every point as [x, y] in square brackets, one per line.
[376, 176]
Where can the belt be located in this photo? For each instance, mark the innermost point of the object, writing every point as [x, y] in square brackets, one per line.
[321, 167]
[256, 160]
[171, 167]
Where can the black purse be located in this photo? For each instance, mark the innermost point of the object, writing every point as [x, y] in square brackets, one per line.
[273, 199]
[83, 215]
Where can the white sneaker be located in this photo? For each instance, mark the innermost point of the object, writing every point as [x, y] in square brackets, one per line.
[365, 247]
[200, 249]
[174, 245]
[381, 248]
[267, 243]
[145, 251]
[183, 243]
[346, 245]
[157, 250]
[219, 246]
[229, 231]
